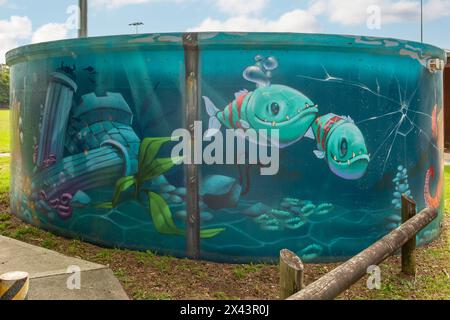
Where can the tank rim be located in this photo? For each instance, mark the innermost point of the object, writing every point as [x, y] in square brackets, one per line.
[216, 39]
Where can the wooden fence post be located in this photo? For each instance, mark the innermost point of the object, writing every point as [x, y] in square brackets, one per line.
[291, 274]
[408, 249]
[338, 280]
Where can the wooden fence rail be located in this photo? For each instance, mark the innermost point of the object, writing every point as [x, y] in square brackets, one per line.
[340, 279]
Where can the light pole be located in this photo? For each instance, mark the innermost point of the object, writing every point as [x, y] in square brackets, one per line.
[83, 28]
[136, 24]
[421, 20]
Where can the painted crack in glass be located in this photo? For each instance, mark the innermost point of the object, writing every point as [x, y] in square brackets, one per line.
[91, 143]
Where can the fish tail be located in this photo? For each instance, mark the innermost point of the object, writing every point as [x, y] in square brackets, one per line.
[214, 124]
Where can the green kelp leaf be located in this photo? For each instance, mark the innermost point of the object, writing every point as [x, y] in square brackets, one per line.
[149, 149]
[121, 185]
[161, 215]
[104, 205]
[210, 233]
[158, 167]
[163, 221]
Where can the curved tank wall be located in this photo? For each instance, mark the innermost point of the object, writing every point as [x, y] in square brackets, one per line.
[358, 119]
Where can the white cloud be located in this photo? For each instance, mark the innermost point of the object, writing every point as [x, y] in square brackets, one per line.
[241, 7]
[11, 31]
[392, 11]
[19, 30]
[50, 32]
[2, 2]
[111, 4]
[114, 4]
[293, 21]
[436, 9]
[244, 14]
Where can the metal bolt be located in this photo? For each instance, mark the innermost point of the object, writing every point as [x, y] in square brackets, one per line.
[434, 65]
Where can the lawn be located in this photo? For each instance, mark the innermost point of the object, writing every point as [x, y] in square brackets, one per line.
[4, 131]
[145, 275]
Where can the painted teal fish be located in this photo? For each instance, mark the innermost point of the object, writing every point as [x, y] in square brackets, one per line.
[341, 144]
[271, 107]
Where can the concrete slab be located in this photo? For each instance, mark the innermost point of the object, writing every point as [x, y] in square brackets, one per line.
[49, 273]
[100, 284]
[447, 159]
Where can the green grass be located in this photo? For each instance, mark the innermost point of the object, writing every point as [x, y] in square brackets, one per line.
[4, 174]
[49, 243]
[141, 294]
[4, 148]
[447, 190]
[223, 296]
[161, 263]
[244, 270]
[4, 217]
[122, 275]
[4, 131]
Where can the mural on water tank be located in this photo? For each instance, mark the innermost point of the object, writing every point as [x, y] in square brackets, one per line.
[92, 144]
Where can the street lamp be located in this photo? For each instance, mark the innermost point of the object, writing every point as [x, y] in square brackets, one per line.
[136, 24]
[421, 20]
[83, 27]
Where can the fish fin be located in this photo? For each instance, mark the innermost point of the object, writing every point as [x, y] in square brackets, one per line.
[310, 134]
[80, 199]
[244, 124]
[213, 127]
[249, 138]
[285, 145]
[319, 154]
[349, 119]
[211, 109]
[240, 93]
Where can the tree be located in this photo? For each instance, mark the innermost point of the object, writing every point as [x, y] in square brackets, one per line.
[4, 87]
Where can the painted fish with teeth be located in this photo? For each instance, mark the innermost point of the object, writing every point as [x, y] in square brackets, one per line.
[341, 144]
[271, 107]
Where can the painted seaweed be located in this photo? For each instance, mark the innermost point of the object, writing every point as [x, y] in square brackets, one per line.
[149, 168]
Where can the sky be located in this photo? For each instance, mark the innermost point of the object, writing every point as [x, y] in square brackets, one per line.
[30, 21]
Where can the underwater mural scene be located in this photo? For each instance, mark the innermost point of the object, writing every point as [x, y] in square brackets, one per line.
[335, 129]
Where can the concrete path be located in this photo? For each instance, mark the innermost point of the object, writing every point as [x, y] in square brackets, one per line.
[447, 159]
[49, 273]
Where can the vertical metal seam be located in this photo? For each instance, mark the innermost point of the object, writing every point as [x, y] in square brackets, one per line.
[191, 59]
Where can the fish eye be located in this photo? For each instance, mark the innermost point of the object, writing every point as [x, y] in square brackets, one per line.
[344, 147]
[275, 108]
